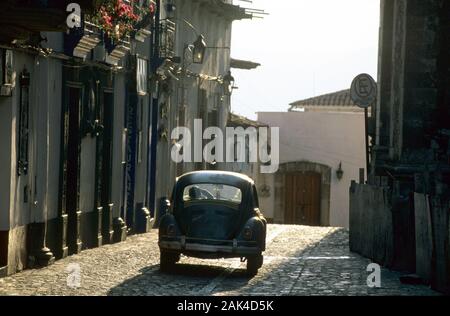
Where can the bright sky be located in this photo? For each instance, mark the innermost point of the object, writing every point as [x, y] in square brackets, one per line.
[306, 48]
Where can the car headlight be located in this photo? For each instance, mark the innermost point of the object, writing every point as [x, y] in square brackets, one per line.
[248, 233]
[171, 230]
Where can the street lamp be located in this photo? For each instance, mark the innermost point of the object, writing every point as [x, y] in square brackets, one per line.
[340, 172]
[199, 50]
[228, 84]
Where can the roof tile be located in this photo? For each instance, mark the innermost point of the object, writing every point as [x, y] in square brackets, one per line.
[339, 98]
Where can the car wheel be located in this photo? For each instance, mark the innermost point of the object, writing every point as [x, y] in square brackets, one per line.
[253, 264]
[168, 260]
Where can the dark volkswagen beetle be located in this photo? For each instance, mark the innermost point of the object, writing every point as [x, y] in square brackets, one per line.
[213, 215]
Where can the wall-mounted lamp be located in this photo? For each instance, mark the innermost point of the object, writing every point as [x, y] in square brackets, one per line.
[228, 84]
[340, 172]
[199, 50]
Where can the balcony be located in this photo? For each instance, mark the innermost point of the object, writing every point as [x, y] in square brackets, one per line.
[167, 39]
[141, 32]
[81, 41]
[102, 25]
[117, 50]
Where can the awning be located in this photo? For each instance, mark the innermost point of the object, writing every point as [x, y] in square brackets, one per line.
[243, 64]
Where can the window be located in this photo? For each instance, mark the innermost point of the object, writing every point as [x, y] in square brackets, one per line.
[8, 68]
[212, 192]
[141, 75]
[167, 38]
[6, 72]
[124, 146]
[2, 65]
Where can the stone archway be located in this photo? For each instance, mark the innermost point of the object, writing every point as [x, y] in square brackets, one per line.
[298, 168]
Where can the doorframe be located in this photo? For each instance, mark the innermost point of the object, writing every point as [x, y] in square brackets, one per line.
[299, 167]
[63, 225]
[104, 207]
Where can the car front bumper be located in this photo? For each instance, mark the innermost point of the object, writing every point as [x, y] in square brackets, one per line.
[239, 248]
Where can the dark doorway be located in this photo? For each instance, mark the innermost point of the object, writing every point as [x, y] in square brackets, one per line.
[72, 169]
[131, 160]
[303, 199]
[106, 153]
[104, 164]
[3, 249]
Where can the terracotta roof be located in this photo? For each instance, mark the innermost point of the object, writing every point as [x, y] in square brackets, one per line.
[338, 99]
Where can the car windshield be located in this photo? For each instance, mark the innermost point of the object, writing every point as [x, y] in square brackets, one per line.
[212, 192]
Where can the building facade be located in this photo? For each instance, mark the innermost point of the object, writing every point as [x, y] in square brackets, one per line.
[194, 92]
[73, 116]
[322, 149]
[86, 115]
[400, 218]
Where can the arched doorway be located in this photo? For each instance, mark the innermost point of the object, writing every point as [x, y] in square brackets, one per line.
[304, 196]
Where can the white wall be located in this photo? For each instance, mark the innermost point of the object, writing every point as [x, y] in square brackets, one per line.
[141, 154]
[326, 138]
[87, 174]
[42, 180]
[54, 136]
[217, 32]
[5, 161]
[19, 210]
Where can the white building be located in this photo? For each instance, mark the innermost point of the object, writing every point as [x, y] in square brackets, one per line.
[322, 149]
[195, 91]
[85, 121]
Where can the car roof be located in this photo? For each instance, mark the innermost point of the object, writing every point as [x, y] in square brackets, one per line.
[219, 177]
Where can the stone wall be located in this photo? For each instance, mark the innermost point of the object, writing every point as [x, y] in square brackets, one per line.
[412, 148]
[413, 78]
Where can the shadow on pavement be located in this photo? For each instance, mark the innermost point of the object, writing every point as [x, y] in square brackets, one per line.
[294, 265]
[192, 279]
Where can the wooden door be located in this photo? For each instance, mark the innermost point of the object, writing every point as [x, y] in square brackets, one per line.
[104, 157]
[303, 199]
[71, 189]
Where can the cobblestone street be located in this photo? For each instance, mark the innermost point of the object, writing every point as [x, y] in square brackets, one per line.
[299, 261]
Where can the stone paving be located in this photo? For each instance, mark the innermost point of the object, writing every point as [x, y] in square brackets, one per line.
[299, 261]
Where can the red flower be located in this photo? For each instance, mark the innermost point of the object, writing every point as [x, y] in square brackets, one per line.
[152, 8]
[118, 17]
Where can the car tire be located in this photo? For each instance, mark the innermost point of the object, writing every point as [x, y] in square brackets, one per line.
[168, 260]
[253, 265]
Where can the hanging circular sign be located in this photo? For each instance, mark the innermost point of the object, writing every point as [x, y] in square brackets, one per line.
[364, 91]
